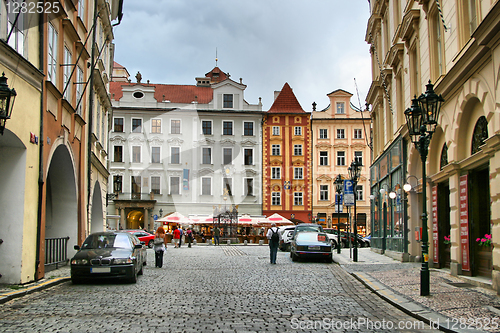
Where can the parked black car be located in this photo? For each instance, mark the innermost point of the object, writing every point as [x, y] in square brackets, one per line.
[311, 244]
[109, 255]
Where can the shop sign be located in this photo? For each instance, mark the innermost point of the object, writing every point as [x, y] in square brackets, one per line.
[435, 232]
[464, 223]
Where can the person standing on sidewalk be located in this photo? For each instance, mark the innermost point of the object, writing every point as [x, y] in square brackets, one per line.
[180, 237]
[274, 237]
[216, 236]
[177, 236]
[189, 236]
[160, 246]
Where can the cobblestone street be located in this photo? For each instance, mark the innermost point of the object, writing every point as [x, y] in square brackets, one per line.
[216, 289]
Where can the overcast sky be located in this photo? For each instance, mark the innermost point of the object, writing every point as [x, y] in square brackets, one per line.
[317, 46]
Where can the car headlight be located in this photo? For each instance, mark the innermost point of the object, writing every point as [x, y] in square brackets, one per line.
[79, 262]
[123, 261]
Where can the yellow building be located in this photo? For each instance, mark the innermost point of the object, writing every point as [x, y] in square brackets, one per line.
[340, 134]
[454, 45]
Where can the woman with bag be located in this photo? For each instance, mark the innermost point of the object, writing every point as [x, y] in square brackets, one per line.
[160, 245]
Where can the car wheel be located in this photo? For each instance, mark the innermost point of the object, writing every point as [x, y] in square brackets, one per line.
[133, 278]
[294, 256]
[141, 270]
[150, 244]
[329, 259]
[76, 280]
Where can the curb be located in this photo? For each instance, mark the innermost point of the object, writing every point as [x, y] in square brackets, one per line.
[5, 297]
[409, 307]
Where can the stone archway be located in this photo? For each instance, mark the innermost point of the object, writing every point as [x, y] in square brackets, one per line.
[135, 219]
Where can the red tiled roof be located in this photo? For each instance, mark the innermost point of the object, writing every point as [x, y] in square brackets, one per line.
[117, 65]
[216, 75]
[286, 102]
[173, 93]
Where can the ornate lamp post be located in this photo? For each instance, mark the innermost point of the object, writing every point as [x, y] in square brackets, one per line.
[7, 97]
[354, 173]
[339, 184]
[421, 119]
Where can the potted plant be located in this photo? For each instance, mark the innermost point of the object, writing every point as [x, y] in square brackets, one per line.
[447, 240]
[484, 241]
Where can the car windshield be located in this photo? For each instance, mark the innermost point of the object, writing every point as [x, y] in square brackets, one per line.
[100, 241]
[309, 228]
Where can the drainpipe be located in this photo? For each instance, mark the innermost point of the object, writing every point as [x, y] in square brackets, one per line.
[41, 140]
[91, 110]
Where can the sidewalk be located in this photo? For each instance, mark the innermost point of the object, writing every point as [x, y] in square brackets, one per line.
[457, 304]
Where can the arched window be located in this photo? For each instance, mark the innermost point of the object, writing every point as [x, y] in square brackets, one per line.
[444, 157]
[480, 134]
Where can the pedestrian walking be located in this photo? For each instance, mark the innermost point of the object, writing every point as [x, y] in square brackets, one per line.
[181, 236]
[274, 237]
[160, 246]
[189, 235]
[216, 236]
[177, 236]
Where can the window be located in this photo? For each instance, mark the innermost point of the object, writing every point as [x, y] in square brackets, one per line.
[175, 155]
[323, 158]
[155, 155]
[155, 125]
[66, 74]
[206, 186]
[247, 128]
[228, 101]
[206, 155]
[248, 156]
[297, 150]
[228, 184]
[275, 173]
[175, 185]
[136, 154]
[227, 155]
[136, 187]
[81, 9]
[298, 199]
[436, 45]
[323, 192]
[276, 198]
[175, 126]
[359, 193]
[341, 158]
[358, 156]
[298, 173]
[340, 108]
[248, 186]
[340, 133]
[79, 92]
[227, 128]
[118, 154]
[323, 133]
[298, 130]
[118, 125]
[276, 130]
[115, 180]
[206, 126]
[136, 125]
[16, 40]
[358, 133]
[52, 55]
[155, 184]
[276, 150]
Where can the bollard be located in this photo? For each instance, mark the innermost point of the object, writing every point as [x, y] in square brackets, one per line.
[251, 241]
[245, 242]
[261, 242]
[228, 242]
[209, 241]
[194, 242]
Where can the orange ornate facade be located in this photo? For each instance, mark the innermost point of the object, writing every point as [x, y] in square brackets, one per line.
[287, 159]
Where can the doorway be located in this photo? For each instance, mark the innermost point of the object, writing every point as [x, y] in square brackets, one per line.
[479, 220]
[443, 211]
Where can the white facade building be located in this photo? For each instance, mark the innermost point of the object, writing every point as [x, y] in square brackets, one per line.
[183, 148]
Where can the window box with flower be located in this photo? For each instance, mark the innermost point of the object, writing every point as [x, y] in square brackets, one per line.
[484, 241]
[447, 240]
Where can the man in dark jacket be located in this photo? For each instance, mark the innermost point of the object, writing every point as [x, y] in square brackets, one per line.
[274, 237]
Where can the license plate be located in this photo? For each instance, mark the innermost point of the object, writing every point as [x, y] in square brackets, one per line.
[314, 248]
[100, 269]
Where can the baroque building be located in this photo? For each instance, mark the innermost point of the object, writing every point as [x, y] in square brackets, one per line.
[340, 134]
[182, 148]
[286, 168]
[453, 45]
[59, 62]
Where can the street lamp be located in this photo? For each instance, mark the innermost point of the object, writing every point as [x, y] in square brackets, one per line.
[7, 97]
[354, 173]
[339, 184]
[421, 119]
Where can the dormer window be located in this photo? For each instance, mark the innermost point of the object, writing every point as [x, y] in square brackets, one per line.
[228, 101]
[340, 108]
[138, 94]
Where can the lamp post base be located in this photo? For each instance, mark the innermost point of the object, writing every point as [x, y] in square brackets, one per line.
[424, 281]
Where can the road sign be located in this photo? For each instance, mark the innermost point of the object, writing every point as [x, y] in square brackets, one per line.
[155, 217]
[338, 203]
[348, 193]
